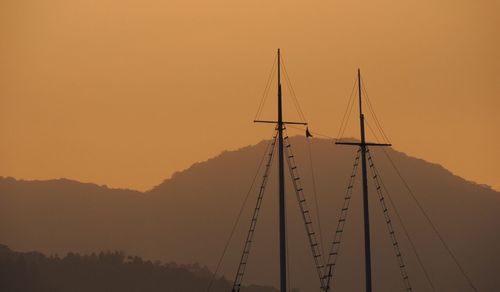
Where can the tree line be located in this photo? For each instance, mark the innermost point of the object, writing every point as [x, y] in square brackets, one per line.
[107, 271]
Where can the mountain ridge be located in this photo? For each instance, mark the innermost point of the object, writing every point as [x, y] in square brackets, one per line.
[187, 218]
[176, 173]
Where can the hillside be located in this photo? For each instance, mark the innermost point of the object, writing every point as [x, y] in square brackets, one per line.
[103, 271]
[187, 219]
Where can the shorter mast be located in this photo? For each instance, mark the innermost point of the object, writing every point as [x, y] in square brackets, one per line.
[366, 216]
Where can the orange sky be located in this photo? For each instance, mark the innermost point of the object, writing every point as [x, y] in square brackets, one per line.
[125, 93]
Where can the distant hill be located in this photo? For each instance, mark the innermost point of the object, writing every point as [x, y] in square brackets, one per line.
[188, 217]
[103, 271]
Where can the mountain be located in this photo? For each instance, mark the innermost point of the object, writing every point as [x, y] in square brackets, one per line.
[188, 219]
[103, 271]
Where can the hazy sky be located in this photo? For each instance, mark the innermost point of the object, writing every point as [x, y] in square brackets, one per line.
[125, 93]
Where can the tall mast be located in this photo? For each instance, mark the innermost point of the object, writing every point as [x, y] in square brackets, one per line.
[281, 171]
[366, 216]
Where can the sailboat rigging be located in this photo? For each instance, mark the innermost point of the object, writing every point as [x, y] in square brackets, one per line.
[363, 145]
[280, 145]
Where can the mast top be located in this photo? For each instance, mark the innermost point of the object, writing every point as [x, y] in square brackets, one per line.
[279, 97]
[362, 143]
[359, 95]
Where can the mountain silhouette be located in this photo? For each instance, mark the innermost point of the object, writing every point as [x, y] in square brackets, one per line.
[188, 218]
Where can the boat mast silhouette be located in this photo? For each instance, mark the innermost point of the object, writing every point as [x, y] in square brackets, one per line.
[325, 269]
[366, 216]
[324, 275]
[281, 174]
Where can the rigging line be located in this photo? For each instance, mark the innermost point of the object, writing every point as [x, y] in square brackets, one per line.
[351, 96]
[315, 194]
[265, 94]
[245, 200]
[347, 120]
[407, 234]
[372, 110]
[347, 108]
[335, 247]
[377, 121]
[294, 98]
[312, 132]
[306, 214]
[266, 89]
[388, 221]
[292, 91]
[407, 186]
[384, 139]
[372, 131]
[353, 101]
[253, 223]
[405, 230]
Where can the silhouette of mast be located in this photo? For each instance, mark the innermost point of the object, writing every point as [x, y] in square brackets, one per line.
[366, 216]
[281, 173]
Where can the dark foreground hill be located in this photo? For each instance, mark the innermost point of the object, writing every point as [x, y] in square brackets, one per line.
[102, 272]
[188, 218]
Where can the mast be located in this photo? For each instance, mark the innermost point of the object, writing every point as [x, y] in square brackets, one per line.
[366, 216]
[281, 171]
